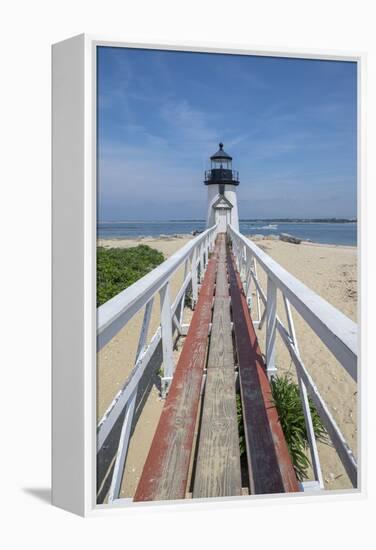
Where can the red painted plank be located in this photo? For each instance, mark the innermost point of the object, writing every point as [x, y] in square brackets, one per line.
[269, 463]
[165, 473]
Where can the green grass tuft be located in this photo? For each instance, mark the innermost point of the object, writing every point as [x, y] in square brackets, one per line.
[286, 396]
[118, 268]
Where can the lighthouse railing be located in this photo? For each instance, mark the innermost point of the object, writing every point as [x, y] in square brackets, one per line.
[337, 332]
[114, 315]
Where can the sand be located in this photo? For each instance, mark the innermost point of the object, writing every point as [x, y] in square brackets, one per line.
[329, 270]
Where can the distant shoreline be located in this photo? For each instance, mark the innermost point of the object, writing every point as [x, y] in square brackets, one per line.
[324, 232]
[143, 239]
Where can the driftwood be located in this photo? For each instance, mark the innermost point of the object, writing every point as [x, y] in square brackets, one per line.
[289, 238]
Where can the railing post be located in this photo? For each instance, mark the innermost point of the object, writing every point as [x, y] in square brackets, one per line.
[212, 240]
[125, 434]
[257, 293]
[202, 265]
[248, 280]
[271, 327]
[166, 331]
[238, 256]
[305, 402]
[117, 476]
[194, 278]
[182, 304]
[243, 273]
[144, 328]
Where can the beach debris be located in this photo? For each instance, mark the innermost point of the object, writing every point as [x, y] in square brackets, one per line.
[350, 418]
[350, 292]
[289, 238]
[332, 477]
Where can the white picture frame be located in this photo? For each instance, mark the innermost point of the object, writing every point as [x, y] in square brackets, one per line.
[74, 288]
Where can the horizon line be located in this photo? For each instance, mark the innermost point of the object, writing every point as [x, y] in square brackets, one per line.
[292, 218]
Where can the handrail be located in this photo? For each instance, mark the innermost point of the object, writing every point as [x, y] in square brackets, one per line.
[116, 312]
[337, 332]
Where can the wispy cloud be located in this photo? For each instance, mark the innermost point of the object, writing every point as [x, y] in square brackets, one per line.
[189, 125]
[162, 115]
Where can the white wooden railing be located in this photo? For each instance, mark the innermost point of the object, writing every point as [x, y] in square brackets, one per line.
[117, 312]
[336, 331]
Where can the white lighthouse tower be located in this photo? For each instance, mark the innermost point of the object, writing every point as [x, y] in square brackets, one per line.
[222, 181]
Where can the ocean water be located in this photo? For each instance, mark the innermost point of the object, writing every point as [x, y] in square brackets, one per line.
[318, 232]
[322, 232]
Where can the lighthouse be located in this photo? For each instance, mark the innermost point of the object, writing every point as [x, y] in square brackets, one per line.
[222, 182]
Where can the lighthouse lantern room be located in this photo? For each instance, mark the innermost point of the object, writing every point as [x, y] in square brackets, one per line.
[222, 181]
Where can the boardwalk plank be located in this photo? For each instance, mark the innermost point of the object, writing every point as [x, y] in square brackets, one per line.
[218, 460]
[221, 350]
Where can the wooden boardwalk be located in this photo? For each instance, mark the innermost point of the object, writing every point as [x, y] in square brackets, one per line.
[218, 460]
[217, 471]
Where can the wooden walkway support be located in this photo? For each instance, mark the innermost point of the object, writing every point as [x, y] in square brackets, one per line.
[269, 464]
[217, 470]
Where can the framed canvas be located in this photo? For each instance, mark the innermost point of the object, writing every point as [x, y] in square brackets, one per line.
[207, 234]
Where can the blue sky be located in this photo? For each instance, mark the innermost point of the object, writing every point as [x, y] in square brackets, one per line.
[289, 124]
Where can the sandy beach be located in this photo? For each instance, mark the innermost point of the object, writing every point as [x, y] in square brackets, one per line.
[329, 270]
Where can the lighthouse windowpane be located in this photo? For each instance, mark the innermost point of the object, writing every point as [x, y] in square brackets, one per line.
[224, 164]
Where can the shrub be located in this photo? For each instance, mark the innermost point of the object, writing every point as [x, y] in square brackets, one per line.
[286, 396]
[118, 268]
[188, 298]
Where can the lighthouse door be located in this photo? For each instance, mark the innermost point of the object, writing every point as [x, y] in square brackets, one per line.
[222, 218]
